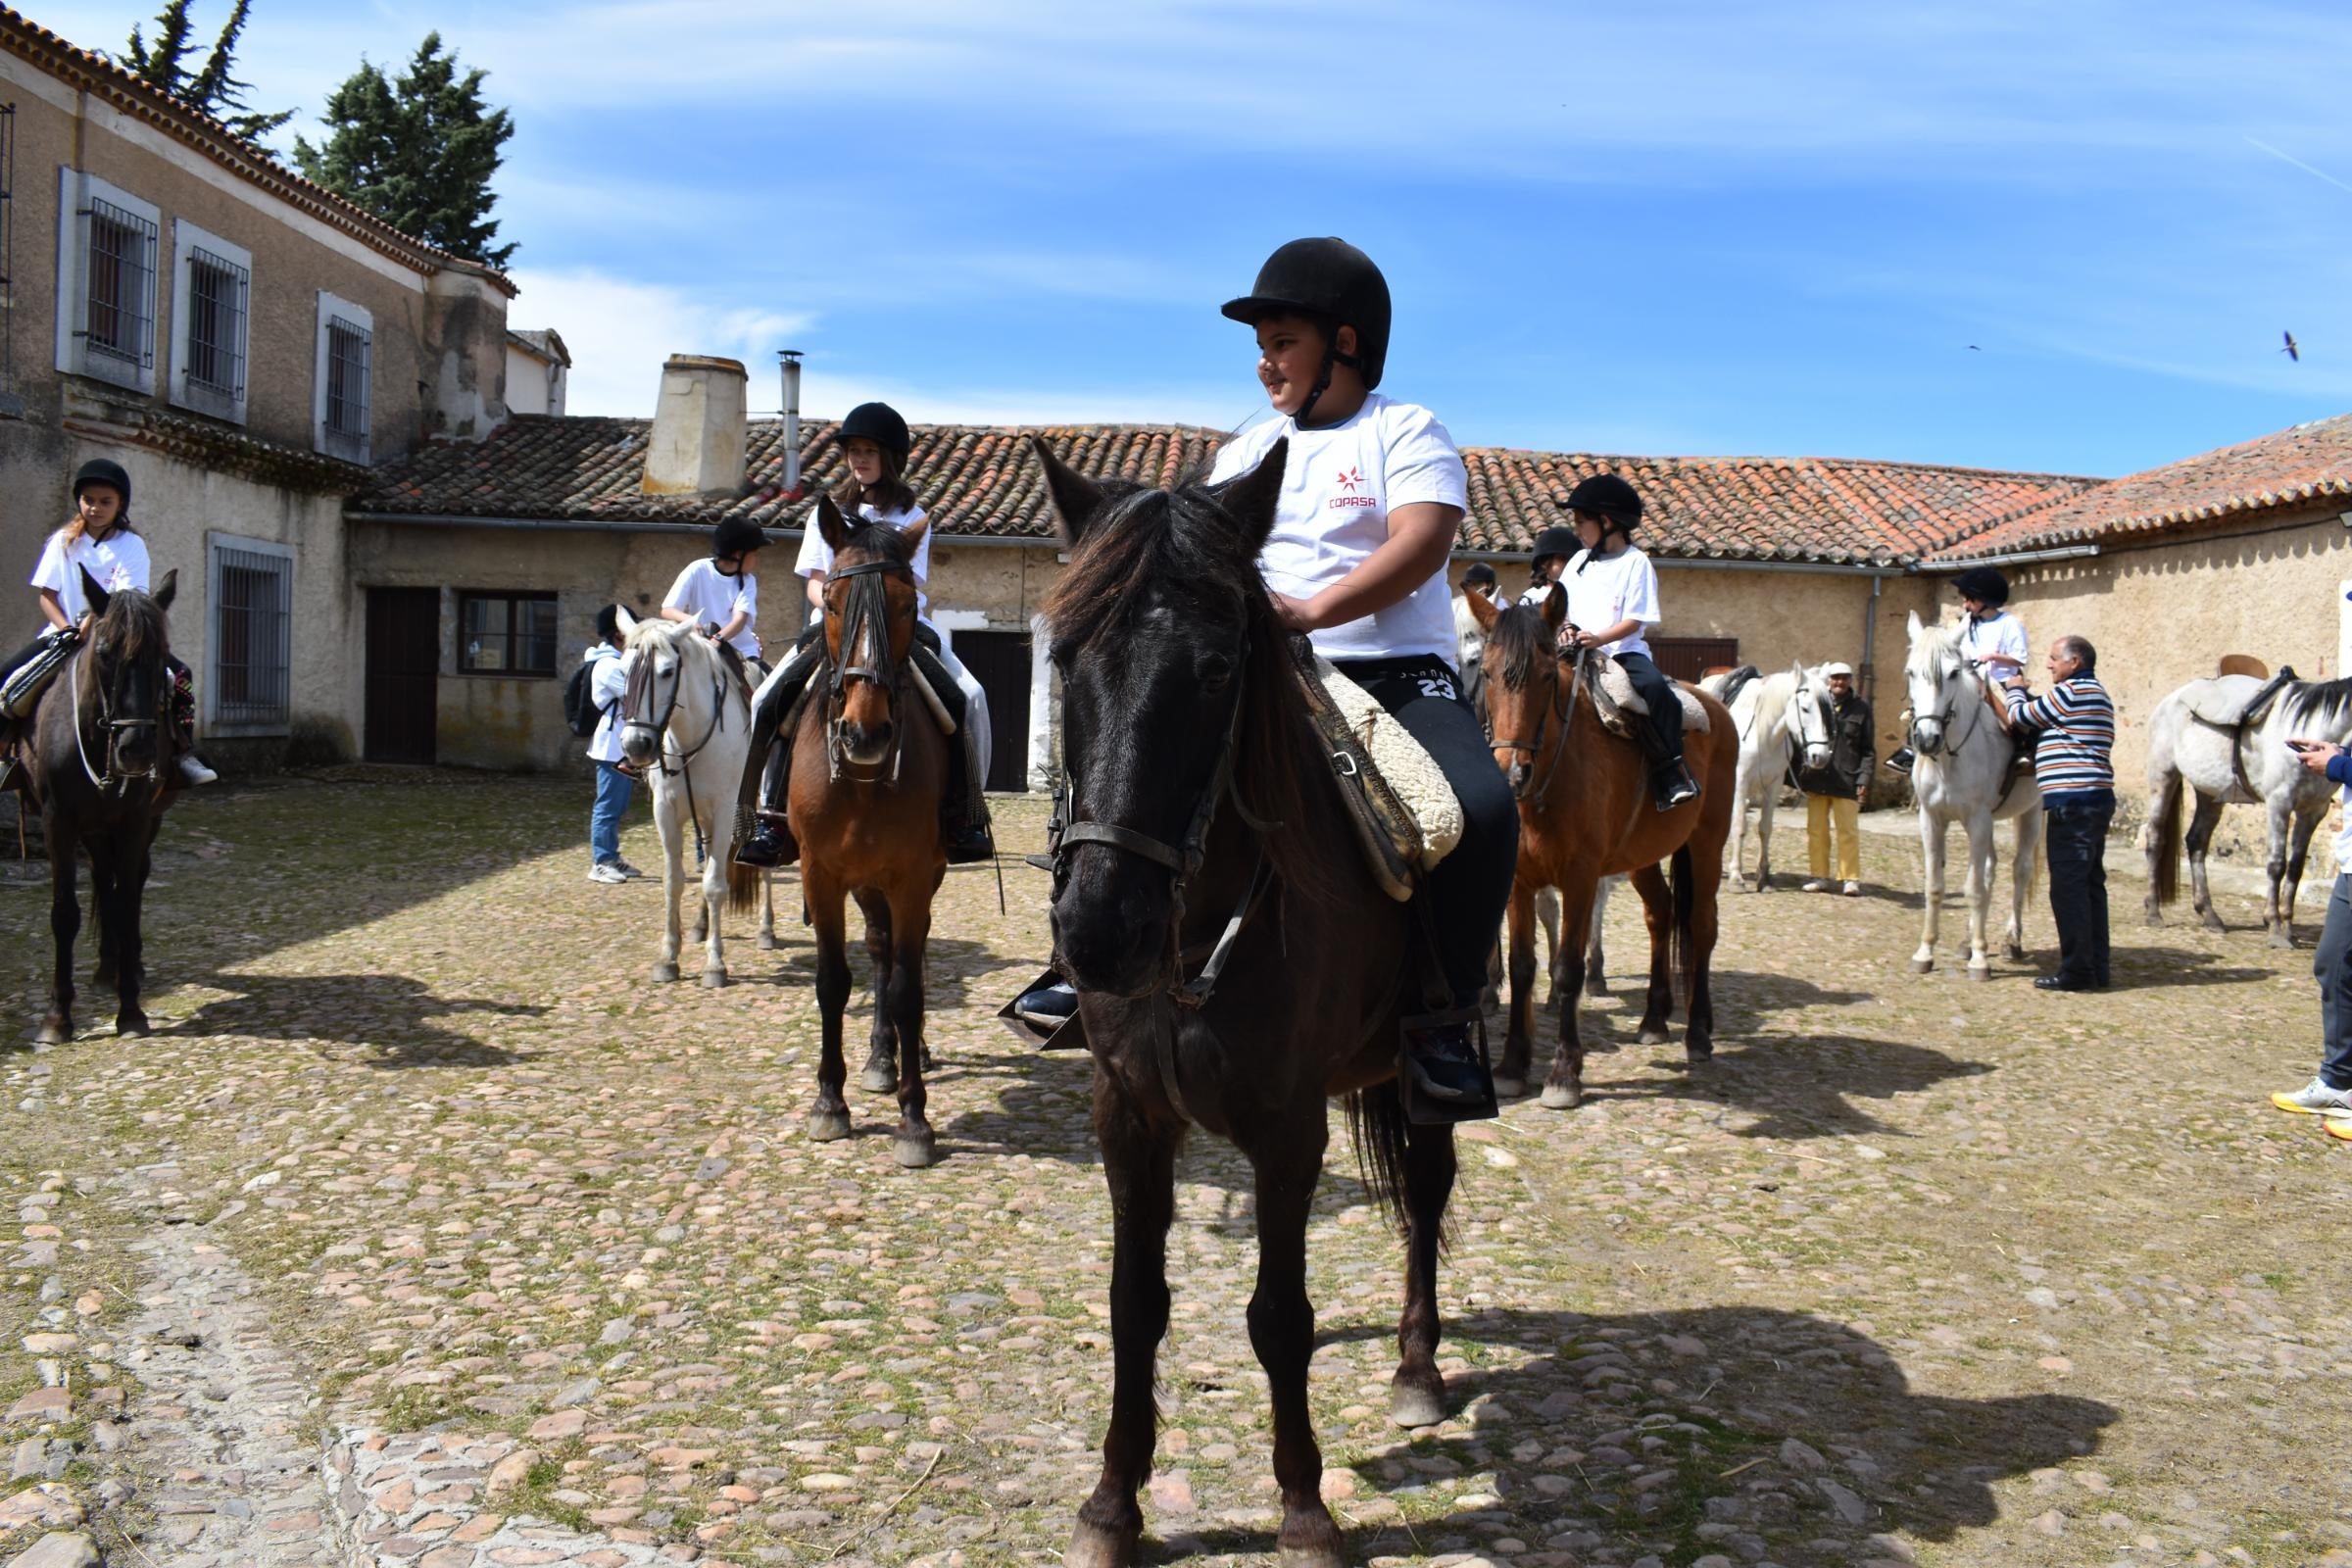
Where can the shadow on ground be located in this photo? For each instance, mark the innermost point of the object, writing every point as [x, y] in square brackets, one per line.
[390, 1015]
[1919, 1466]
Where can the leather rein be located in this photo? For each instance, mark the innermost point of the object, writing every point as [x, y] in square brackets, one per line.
[637, 697]
[866, 624]
[111, 782]
[1540, 778]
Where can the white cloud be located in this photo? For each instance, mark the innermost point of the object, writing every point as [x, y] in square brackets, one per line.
[620, 331]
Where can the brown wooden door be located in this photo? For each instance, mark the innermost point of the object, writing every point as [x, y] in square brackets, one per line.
[403, 668]
[999, 661]
[1690, 658]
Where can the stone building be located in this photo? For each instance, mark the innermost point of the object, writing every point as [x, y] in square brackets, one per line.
[247, 345]
[1762, 559]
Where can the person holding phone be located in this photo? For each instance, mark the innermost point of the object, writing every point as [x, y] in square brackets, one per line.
[2329, 1094]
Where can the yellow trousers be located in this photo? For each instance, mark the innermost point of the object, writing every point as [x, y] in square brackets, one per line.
[1820, 811]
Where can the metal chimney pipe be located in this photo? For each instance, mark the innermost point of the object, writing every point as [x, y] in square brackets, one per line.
[788, 361]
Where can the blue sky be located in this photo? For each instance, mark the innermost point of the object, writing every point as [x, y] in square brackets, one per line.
[1666, 228]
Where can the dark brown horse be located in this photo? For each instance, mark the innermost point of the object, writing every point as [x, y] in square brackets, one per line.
[1199, 804]
[102, 771]
[870, 766]
[1586, 812]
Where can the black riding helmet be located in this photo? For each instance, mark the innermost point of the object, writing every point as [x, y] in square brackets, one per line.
[99, 470]
[736, 536]
[881, 425]
[1609, 498]
[1479, 573]
[1984, 584]
[1331, 282]
[1558, 542]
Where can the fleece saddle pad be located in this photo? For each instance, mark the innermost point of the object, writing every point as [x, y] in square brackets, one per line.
[1406, 816]
[2228, 701]
[1615, 697]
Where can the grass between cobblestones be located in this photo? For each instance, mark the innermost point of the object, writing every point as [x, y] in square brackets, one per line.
[1916, 1270]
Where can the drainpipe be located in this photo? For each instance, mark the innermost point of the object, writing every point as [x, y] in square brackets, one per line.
[788, 361]
[2017, 558]
[1870, 641]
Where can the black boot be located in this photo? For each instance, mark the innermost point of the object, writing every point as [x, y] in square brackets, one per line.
[770, 844]
[969, 844]
[964, 822]
[1675, 785]
[1446, 1079]
[1899, 761]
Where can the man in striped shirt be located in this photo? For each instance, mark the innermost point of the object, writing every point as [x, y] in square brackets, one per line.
[2076, 721]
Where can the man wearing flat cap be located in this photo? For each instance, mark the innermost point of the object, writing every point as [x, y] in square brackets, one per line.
[1833, 792]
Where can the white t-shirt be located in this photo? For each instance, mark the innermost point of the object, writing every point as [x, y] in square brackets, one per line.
[1998, 643]
[608, 683]
[818, 556]
[713, 597]
[119, 563]
[1338, 485]
[1603, 590]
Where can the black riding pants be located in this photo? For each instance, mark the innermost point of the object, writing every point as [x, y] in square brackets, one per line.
[1471, 887]
[2075, 840]
[1665, 708]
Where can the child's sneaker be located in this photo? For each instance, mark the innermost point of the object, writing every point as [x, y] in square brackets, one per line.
[194, 771]
[2316, 1099]
[607, 872]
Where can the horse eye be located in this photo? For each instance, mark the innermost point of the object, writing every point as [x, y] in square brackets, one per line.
[1217, 677]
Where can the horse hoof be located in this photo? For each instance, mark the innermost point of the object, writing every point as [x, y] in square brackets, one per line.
[1922, 965]
[714, 980]
[1312, 1557]
[664, 973]
[879, 1078]
[1094, 1548]
[1509, 1088]
[1413, 1406]
[1697, 1053]
[53, 1032]
[1652, 1035]
[915, 1151]
[1562, 1097]
[1983, 973]
[132, 1026]
[1596, 988]
[2282, 939]
[826, 1126]
[768, 942]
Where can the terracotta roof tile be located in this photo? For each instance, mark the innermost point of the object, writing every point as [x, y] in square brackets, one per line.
[980, 480]
[2298, 466]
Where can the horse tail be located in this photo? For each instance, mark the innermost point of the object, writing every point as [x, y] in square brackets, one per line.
[2164, 837]
[1684, 875]
[742, 888]
[1376, 1121]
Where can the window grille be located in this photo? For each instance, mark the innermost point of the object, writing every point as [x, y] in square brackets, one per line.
[347, 389]
[253, 620]
[117, 332]
[218, 302]
[506, 634]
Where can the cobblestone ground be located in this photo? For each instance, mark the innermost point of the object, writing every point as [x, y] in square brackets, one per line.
[428, 1230]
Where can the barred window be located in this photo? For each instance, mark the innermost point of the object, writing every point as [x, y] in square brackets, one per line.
[211, 311]
[506, 634]
[121, 323]
[250, 687]
[346, 351]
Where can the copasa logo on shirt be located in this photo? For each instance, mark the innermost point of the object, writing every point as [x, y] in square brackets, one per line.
[1350, 480]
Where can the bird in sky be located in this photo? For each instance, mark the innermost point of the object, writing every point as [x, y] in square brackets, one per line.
[1973, 349]
[2292, 351]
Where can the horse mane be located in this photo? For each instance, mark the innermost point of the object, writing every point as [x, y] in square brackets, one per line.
[1182, 535]
[1522, 636]
[2329, 702]
[131, 622]
[1934, 643]
[880, 540]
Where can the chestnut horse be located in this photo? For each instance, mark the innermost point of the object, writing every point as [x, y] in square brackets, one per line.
[1585, 811]
[869, 764]
[102, 770]
[1236, 964]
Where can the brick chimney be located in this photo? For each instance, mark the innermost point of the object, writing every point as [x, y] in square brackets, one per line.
[697, 445]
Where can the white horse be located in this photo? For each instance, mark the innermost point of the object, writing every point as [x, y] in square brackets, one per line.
[1769, 744]
[686, 726]
[1963, 758]
[2238, 765]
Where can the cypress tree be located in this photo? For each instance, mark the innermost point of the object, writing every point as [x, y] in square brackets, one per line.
[210, 88]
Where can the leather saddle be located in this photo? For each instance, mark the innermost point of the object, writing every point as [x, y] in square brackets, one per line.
[1405, 814]
[2232, 701]
[1613, 695]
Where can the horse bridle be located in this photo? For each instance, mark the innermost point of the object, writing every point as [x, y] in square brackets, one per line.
[1945, 720]
[113, 781]
[642, 679]
[1539, 779]
[1184, 861]
[868, 609]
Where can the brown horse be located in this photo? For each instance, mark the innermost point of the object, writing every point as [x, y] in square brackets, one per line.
[102, 771]
[1235, 960]
[869, 764]
[1586, 812]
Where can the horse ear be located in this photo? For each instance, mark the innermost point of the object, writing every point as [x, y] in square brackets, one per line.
[1797, 668]
[1253, 497]
[1916, 627]
[831, 523]
[1485, 611]
[169, 591]
[91, 594]
[1555, 608]
[1076, 498]
[623, 619]
[914, 533]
